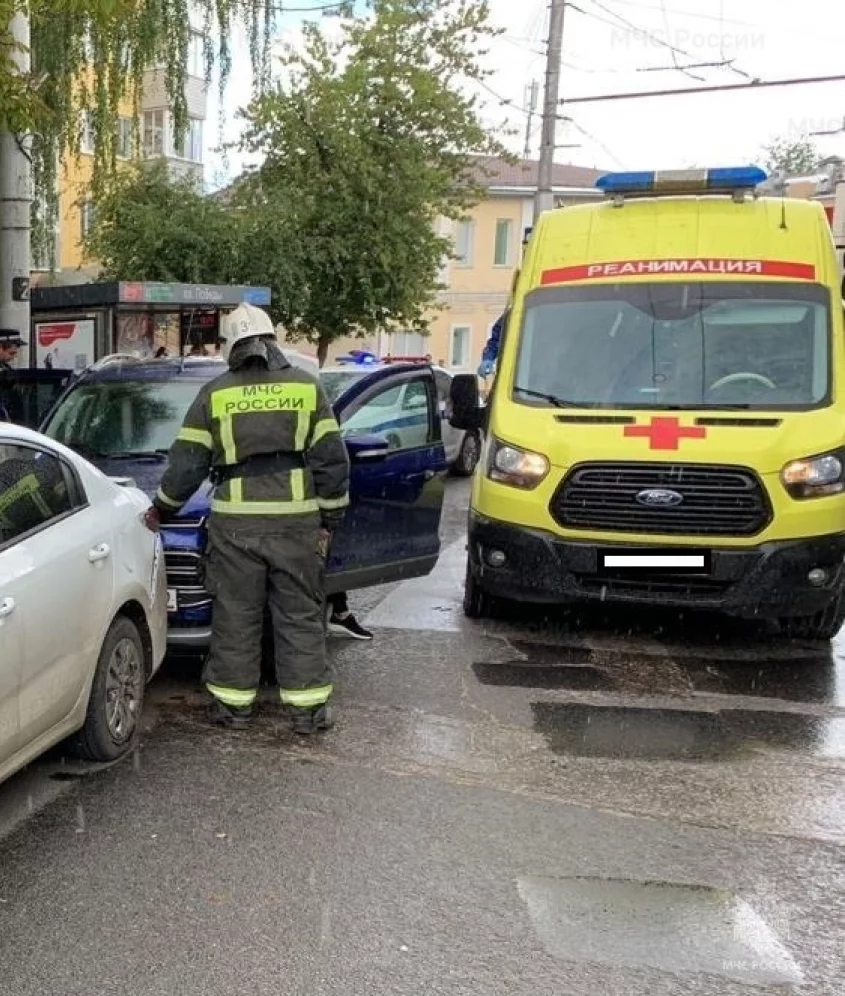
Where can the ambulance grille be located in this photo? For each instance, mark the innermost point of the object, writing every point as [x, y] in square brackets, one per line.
[717, 500]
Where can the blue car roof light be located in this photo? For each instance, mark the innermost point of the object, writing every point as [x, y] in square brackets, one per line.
[357, 357]
[683, 181]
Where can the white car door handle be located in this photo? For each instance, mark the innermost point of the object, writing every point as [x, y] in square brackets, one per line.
[98, 553]
[7, 607]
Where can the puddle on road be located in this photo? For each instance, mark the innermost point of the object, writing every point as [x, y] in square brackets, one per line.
[523, 674]
[623, 733]
[820, 680]
[672, 928]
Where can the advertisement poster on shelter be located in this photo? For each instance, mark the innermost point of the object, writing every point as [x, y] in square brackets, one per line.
[64, 345]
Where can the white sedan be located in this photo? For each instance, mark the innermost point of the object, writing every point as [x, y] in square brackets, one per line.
[83, 603]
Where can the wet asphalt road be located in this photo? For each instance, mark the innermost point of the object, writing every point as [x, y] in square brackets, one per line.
[598, 805]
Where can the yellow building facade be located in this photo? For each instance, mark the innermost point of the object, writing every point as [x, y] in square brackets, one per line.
[155, 137]
[486, 255]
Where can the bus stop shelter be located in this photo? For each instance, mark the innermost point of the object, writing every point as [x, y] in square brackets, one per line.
[73, 326]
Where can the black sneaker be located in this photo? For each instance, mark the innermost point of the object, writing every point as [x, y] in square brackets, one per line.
[348, 627]
[308, 721]
[219, 714]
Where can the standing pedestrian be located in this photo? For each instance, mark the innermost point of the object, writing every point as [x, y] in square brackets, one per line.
[266, 433]
[10, 345]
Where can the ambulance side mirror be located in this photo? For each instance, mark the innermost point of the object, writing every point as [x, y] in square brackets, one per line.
[467, 410]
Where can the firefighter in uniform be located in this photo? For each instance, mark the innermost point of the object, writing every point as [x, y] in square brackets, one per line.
[266, 435]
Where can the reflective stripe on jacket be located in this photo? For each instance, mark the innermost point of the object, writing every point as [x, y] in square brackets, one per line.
[253, 412]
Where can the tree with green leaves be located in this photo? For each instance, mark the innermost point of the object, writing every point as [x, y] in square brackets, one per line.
[152, 226]
[363, 146]
[792, 157]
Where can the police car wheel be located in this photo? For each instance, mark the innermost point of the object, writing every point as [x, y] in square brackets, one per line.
[468, 457]
[117, 695]
[823, 625]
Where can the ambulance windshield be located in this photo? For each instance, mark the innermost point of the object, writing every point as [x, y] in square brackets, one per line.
[760, 345]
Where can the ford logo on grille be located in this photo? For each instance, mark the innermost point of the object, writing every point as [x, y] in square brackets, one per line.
[659, 497]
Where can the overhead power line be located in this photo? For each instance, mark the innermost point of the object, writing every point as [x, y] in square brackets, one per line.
[595, 141]
[630, 25]
[753, 85]
[724, 63]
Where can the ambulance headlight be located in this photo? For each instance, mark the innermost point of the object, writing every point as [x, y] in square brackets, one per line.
[517, 467]
[815, 477]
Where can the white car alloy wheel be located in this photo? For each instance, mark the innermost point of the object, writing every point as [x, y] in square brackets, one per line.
[117, 695]
[124, 690]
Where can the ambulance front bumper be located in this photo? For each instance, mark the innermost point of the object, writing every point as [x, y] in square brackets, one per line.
[772, 580]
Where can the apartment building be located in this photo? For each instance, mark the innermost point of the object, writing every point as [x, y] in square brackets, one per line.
[487, 253]
[155, 138]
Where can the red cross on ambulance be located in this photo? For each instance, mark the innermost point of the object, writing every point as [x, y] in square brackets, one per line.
[664, 432]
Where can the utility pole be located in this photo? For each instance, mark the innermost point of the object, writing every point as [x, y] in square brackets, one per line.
[544, 199]
[15, 202]
[533, 93]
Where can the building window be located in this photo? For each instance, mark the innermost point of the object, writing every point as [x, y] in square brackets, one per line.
[407, 344]
[44, 242]
[86, 138]
[154, 123]
[190, 146]
[459, 346]
[504, 239]
[196, 56]
[463, 242]
[123, 138]
[88, 218]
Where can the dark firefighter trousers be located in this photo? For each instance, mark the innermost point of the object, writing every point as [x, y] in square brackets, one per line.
[258, 561]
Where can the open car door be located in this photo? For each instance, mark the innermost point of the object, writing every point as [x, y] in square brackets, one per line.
[30, 394]
[391, 531]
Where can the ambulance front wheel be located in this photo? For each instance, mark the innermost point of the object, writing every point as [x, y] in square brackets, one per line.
[478, 604]
[823, 625]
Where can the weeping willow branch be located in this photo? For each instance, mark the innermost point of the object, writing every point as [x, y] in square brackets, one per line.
[91, 56]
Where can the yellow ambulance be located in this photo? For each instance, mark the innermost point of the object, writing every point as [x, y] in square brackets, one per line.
[667, 421]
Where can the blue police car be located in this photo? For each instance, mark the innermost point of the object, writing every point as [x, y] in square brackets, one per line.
[123, 414]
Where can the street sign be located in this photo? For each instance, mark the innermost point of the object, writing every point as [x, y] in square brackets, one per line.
[20, 288]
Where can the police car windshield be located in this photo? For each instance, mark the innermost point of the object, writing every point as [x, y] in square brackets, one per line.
[122, 418]
[337, 381]
[758, 345]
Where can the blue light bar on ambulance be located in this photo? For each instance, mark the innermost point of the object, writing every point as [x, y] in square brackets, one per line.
[693, 181]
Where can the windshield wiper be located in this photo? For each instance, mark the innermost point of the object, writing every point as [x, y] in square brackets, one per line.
[137, 455]
[706, 408]
[83, 449]
[552, 398]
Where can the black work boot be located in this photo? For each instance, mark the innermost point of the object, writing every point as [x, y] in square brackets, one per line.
[234, 719]
[308, 721]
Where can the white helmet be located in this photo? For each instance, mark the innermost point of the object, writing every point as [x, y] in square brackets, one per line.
[245, 322]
